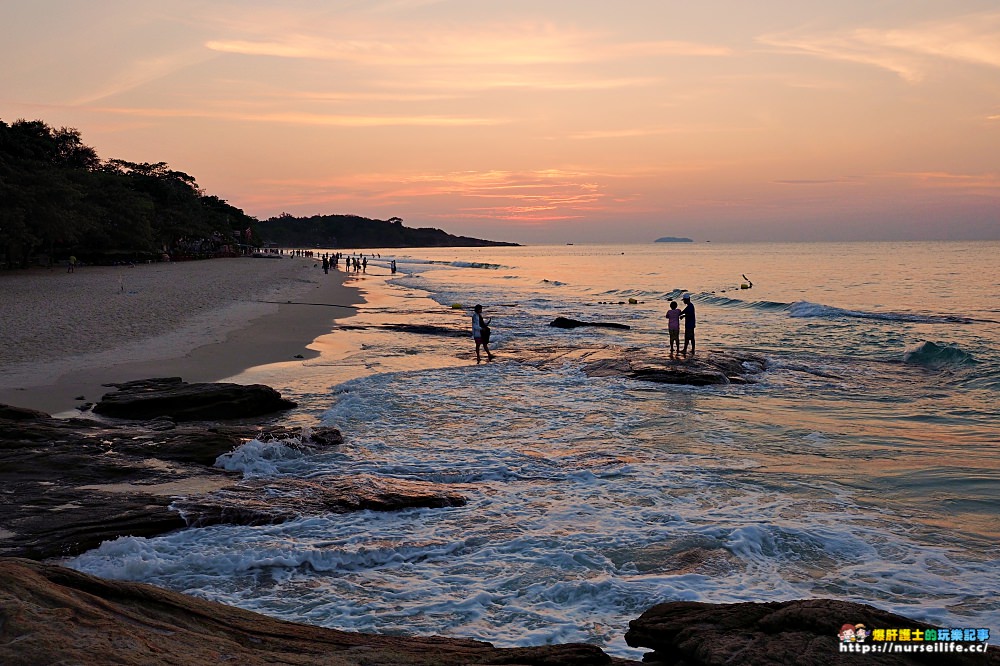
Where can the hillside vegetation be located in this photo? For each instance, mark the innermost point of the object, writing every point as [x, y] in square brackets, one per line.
[352, 231]
[58, 199]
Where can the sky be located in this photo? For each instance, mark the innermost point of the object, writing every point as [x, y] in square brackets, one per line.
[549, 121]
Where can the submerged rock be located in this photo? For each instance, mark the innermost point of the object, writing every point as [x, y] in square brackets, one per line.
[565, 322]
[175, 398]
[270, 501]
[701, 369]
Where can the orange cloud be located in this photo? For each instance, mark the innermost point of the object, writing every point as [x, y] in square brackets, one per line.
[535, 196]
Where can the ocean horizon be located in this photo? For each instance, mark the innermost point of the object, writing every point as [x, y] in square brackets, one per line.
[862, 465]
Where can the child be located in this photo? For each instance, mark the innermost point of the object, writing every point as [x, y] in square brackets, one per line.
[674, 327]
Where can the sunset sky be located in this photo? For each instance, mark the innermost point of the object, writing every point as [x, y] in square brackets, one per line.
[542, 121]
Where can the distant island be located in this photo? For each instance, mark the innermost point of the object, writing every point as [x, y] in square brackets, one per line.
[673, 239]
[353, 231]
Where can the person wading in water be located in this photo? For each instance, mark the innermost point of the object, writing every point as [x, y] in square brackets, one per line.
[481, 333]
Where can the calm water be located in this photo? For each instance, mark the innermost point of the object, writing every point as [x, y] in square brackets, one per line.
[864, 466]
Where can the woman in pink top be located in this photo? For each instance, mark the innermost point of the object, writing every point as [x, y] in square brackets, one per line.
[674, 327]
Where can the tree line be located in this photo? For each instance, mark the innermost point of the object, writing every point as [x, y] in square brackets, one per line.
[354, 231]
[59, 198]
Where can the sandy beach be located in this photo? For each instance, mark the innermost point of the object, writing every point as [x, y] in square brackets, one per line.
[64, 335]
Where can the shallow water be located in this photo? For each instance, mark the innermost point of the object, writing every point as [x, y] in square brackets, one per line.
[864, 466]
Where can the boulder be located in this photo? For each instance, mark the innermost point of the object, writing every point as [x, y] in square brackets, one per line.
[175, 398]
[803, 632]
[565, 322]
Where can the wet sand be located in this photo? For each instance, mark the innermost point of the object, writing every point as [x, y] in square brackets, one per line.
[65, 335]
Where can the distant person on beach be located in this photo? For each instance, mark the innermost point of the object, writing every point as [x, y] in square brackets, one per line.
[481, 333]
[674, 327]
[72, 265]
[688, 315]
[326, 265]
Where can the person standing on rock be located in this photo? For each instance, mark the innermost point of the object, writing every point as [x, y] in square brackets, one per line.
[481, 333]
[687, 314]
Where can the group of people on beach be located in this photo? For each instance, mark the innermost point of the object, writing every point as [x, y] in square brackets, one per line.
[481, 328]
[359, 263]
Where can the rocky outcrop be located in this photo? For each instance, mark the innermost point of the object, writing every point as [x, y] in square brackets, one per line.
[804, 632]
[180, 401]
[53, 615]
[70, 484]
[566, 322]
[271, 501]
[701, 369]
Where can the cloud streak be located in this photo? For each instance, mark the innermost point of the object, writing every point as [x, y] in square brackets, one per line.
[541, 44]
[909, 52]
[521, 197]
[302, 118]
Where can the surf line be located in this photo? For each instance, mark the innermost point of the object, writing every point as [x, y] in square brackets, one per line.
[327, 305]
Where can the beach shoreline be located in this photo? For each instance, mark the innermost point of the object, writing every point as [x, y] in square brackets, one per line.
[66, 336]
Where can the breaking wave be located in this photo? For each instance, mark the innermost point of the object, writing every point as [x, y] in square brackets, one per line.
[931, 355]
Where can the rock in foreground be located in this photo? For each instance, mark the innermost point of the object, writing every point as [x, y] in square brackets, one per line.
[53, 615]
[180, 401]
[70, 484]
[687, 633]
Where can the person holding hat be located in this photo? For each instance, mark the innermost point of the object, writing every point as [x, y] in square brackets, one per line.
[687, 314]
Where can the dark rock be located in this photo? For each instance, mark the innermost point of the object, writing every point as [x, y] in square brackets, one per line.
[54, 615]
[326, 436]
[264, 502]
[12, 413]
[565, 322]
[687, 633]
[69, 484]
[62, 522]
[172, 397]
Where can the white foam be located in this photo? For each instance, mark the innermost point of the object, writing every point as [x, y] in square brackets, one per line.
[258, 459]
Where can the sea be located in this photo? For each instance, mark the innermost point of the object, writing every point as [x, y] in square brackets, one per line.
[862, 465]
